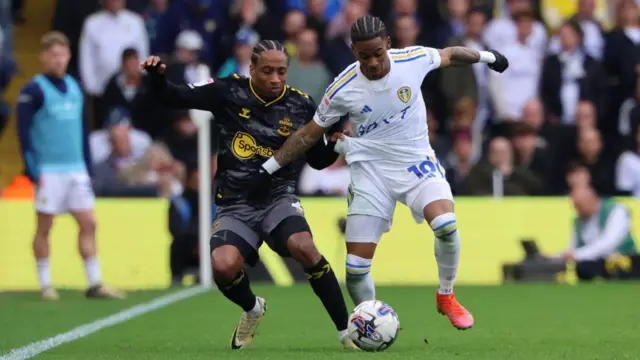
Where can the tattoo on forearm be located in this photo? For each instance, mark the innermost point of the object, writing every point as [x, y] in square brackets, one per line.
[461, 56]
[293, 148]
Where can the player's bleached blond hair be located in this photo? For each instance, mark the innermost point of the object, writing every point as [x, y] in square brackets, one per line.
[52, 38]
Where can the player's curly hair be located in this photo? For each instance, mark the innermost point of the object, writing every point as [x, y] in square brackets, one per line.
[264, 45]
[367, 28]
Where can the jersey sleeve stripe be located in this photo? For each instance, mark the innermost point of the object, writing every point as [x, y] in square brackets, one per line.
[408, 55]
[342, 83]
[409, 59]
[406, 51]
[341, 76]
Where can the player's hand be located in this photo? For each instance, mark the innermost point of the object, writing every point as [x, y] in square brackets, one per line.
[569, 255]
[259, 188]
[501, 64]
[153, 64]
[337, 136]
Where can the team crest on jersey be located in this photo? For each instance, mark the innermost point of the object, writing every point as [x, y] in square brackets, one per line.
[404, 94]
[285, 127]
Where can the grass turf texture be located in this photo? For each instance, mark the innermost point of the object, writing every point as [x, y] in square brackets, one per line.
[599, 321]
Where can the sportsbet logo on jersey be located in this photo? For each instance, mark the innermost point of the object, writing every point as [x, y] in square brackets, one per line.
[245, 147]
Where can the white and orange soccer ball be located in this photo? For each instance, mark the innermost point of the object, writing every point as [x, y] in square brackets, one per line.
[373, 326]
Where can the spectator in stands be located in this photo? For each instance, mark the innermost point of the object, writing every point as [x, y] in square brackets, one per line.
[319, 13]
[253, 14]
[469, 81]
[306, 72]
[628, 170]
[337, 53]
[439, 142]
[401, 8]
[458, 161]
[453, 25]
[577, 175]
[621, 58]
[570, 76]
[182, 138]
[501, 172]
[239, 63]
[69, 18]
[601, 230]
[513, 89]
[127, 89]
[601, 166]
[531, 155]
[592, 30]
[501, 32]
[405, 32]
[107, 178]
[294, 23]
[183, 226]
[104, 36]
[340, 25]
[208, 18]
[156, 168]
[586, 116]
[185, 66]
[152, 15]
[118, 123]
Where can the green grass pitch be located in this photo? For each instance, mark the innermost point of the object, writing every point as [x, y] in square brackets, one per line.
[529, 322]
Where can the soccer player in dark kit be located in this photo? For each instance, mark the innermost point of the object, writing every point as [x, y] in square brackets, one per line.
[253, 118]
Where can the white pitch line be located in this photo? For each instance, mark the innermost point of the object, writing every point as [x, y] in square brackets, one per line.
[38, 347]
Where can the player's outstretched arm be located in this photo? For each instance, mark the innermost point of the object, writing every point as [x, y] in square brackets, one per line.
[202, 96]
[462, 56]
[295, 146]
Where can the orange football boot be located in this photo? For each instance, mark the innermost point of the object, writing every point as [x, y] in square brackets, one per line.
[447, 305]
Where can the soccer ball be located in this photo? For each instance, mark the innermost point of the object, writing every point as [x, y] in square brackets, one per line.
[373, 326]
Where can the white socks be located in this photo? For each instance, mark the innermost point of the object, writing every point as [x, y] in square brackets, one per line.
[92, 270]
[256, 311]
[447, 250]
[359, 280]
[44, 272]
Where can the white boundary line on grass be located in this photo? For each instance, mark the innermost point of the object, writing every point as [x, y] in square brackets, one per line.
[38, 347]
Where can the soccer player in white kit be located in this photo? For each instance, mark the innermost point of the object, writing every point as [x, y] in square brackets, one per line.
[389, 153]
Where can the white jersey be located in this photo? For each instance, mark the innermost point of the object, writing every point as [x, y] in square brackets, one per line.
[388, 116]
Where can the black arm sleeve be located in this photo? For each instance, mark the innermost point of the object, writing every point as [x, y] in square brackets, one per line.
[321, 155]
[205, 95]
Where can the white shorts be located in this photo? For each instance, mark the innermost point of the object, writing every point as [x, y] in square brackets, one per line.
[59, 193]
[376, 186]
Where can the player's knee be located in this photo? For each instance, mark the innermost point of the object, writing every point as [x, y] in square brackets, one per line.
[45, 222]
[357, 267]
[87, 225]
[226, 262]
[445, 227]
[303, 249]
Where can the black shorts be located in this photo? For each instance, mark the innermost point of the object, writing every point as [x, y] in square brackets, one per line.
[247, 227]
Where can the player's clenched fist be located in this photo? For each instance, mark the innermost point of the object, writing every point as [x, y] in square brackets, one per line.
[153, 64]
[501, 64]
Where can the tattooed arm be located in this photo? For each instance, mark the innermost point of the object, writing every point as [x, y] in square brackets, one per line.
[458, 56]
[295, 146]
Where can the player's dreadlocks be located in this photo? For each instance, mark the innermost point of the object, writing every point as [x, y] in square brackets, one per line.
[265, 45]
[367, 28]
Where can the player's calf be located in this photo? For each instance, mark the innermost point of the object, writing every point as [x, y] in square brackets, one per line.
[322, 279]
[233, 282]
[359, 281]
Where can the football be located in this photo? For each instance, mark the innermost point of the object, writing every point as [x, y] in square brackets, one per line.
[373, 326]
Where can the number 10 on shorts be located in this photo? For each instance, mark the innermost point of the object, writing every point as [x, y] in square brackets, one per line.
[429, 169]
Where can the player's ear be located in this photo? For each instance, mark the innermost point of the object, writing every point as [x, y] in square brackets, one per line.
[251, 69]
[353, 50]
[388, 43]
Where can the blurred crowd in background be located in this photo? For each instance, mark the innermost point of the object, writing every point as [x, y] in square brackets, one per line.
[567, 110]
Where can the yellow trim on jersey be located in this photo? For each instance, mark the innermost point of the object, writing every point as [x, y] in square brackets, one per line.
[410, 54]
[284, 91]
[340, 82]
[276, 267]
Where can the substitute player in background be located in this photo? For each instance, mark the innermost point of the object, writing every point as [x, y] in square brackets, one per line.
[254, 117]
[389, 156]
[54, 147]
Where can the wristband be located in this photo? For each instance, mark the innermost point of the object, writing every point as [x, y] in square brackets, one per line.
[487, 57]
[271, 165]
